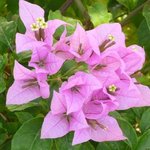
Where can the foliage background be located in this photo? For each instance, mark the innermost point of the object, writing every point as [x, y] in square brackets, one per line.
[20, 125]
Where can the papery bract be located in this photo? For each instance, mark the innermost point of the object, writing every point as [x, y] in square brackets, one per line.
[27, 86]
[78, 88]
[44, 61]
[100, 130]
[106, 36]
[79, 44]
[105, 64]
[145, 96]
[32, 16]
[123, 89]
[133, 57]
[57, 123]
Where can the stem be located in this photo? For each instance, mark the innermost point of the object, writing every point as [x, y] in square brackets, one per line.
[4, 118]
[133, 13]
[65, 6]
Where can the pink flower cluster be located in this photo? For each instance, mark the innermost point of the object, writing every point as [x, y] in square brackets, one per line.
[84, 101]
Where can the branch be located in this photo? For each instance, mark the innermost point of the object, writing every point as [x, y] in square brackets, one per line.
[132, 14]
[65, 6]
[88, 23]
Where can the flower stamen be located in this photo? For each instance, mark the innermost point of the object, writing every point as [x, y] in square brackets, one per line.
[112, 88]
[35, 27]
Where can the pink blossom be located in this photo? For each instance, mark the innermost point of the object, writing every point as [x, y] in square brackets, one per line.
[57, 123]
[77, 90]
[133, 57]
[123, 89]
[45, 62]
[99, 130]
[105, 64]
[27, 86]
[106, 36]
[99, 104]
[38, 31]
[145, 96]
[79, 44]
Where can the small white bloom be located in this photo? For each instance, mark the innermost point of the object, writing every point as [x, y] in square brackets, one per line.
[35, 27]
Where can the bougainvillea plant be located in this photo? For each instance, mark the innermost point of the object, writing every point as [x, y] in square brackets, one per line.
[74, 75]
[84, 99]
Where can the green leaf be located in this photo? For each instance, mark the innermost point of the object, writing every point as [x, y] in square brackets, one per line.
[144, 124]
[21, 107]
[57, 15]
[12, 127]
[86, 146]
[118, 145]
[28, 137]
[3, 135]
[3, 61]
[7, 33]
[99, 13]
[146, 13]
[6, 145]
[130, 4]
[2, 84]
[65, 143]
[139, 111]
[24, 56]
[143, 37]
[145, 79]
[23, 116]
[128, 131]
[144, 141]
[67, 66]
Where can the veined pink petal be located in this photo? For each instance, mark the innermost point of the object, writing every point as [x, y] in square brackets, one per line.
[58, 104]
[78, 121]
[24, 43]
[81, 136]
[19, 95]
[128, 97]
[44, 89]
[103, 32]
[105, 129]
[29, 13]
[53, 25]
[74, 101]
[55, 63]
[79, 44]
[54, 126]
[72, 81]
[145, 96]
[110, 132]
[43, 85]
[135, 59]
[20, 72]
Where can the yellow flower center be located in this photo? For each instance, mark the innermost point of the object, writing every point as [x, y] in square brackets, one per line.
[112, 88]
[35, 27]
[43, 25]
[39, 24]
[111, 37]
[40, 20]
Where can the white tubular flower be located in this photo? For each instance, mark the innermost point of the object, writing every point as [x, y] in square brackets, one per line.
[111, 37]
[35, 27]
[40, 20]
[43, 25]
[112, 88]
